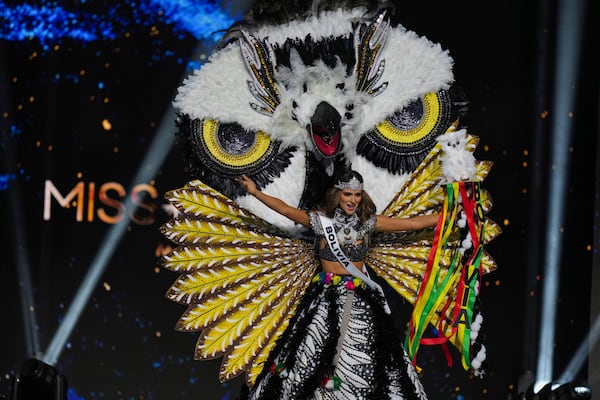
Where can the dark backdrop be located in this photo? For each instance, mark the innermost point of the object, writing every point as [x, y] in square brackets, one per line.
[84, 88]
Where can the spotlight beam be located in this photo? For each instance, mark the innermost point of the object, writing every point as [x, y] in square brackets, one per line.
[571, 371]
[158, 151]
[569, 26]
[28, 309]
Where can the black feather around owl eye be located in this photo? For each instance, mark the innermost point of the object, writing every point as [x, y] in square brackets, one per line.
[215, 150]
[341, 86]
[304, 87]
[401, 142]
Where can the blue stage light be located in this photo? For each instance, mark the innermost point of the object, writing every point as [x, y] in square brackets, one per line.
[569, 38]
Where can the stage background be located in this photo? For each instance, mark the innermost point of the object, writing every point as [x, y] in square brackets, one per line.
[85, 87]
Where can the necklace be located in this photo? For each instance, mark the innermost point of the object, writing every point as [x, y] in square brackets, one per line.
[346, 225]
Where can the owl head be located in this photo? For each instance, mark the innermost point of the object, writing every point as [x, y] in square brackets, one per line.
[453, 142]
[294, 100]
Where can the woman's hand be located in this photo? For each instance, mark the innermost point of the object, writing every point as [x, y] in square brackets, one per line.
[247, 184]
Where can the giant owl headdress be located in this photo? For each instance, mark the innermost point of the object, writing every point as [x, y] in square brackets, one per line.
[292, 94]
[288, 102]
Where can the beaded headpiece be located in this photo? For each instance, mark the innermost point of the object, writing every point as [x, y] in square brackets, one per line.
[352, 184]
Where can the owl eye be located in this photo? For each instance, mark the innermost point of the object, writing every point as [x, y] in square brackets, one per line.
[341, 86]
[402, 141]
[215, 151]
[230, 149]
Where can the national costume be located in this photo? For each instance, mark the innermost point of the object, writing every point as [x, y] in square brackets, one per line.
[288, 104]
[341, 343]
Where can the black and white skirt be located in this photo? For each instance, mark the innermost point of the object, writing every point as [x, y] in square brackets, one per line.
[310, 361]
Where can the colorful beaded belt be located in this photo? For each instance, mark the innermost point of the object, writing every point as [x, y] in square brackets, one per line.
[329, 278]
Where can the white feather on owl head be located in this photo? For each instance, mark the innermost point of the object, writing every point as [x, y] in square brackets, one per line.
[376, 83]
[458, 162]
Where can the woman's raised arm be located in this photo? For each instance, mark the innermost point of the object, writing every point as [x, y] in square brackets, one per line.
[388, 224]
[274, 203]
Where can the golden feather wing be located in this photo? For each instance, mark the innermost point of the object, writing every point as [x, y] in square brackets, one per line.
[240, 278]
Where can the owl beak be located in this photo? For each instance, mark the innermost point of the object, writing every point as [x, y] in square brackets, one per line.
[324, 130]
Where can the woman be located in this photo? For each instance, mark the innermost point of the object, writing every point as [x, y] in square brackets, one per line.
[341, 344]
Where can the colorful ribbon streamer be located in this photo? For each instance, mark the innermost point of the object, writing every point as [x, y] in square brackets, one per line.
[451, 290]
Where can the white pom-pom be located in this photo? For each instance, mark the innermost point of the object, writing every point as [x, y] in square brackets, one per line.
[478, 361]
[481, 355]
[475, 327]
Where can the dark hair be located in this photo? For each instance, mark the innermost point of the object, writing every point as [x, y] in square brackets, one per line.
[365, 209]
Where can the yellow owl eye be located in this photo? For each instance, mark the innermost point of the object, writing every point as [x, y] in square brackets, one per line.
[403, 140]
[231, 149]
[413, 123]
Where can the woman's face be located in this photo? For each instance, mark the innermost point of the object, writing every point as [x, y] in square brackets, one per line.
[349, 200]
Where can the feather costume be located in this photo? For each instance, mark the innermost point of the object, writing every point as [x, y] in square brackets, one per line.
[287, 103]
